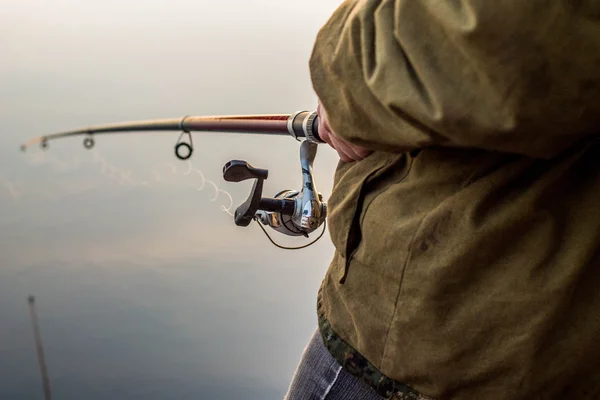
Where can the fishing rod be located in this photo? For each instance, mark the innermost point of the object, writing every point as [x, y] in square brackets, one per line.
[39, 348]
[290, 212]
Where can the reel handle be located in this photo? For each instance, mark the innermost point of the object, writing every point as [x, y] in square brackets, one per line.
[239, 170]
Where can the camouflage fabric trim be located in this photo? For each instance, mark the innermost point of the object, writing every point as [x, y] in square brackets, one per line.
[359, 366]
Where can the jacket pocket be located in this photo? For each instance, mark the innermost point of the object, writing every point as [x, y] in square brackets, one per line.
[354, 187]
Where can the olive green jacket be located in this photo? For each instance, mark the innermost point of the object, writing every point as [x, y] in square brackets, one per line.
[467, 261]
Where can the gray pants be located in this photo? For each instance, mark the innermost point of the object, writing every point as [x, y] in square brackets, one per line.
[320, 377]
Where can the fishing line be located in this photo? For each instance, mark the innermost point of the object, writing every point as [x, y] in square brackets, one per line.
[124, 177]
[11, 188]
[292, 248]
[203, 179]
[58, 164]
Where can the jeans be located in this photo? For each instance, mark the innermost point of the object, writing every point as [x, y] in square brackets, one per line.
[320, 377]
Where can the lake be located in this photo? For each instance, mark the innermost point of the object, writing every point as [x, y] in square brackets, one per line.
[145, 288]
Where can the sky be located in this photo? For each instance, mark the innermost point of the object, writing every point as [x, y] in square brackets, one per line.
[145, 287]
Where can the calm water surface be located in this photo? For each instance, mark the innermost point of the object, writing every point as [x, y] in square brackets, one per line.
[145, 287]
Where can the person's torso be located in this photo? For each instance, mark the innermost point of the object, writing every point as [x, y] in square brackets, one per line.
[470, 274]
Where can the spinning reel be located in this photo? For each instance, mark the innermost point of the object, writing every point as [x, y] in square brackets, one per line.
[290, 212]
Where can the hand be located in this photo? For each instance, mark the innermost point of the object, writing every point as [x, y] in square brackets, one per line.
[348, 152]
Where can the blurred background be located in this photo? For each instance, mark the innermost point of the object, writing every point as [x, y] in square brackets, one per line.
[145, 287]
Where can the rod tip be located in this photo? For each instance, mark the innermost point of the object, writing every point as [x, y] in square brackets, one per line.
[31, 299]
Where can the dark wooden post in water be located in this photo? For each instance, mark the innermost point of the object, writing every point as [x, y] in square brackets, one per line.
[40, 348]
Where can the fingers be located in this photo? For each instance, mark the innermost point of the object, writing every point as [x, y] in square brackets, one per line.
[346, 155]
[355, 152]
[347, 151]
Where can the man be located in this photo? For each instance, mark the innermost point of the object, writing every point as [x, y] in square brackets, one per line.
[466, 206]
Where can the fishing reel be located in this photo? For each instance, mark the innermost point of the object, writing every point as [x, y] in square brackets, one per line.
[293, 213]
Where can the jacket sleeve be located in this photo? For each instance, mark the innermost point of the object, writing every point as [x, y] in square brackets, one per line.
[518, 76]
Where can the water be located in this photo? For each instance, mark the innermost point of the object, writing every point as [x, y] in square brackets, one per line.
[145, 288]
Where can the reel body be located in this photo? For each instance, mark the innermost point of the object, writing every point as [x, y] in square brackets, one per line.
[290, 212]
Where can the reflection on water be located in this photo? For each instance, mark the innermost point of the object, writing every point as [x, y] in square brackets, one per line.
[203, 330]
